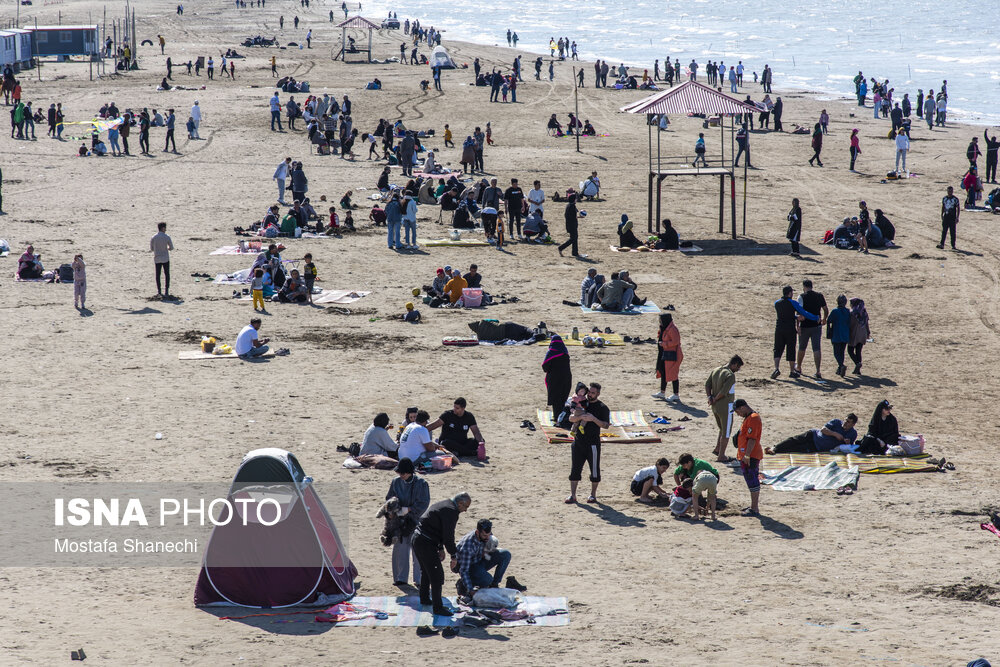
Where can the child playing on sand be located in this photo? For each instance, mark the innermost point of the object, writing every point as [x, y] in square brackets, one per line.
[79, 283]
[309, 274]
[680, 500]
[649, 480]
[257, 289]
[334, 227]
[447, 137]
[489, 133]
[349, 222]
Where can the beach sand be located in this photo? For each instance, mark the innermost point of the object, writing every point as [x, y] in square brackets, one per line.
[820, 580]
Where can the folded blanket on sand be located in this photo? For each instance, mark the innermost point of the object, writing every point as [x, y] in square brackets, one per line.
[648, 308]
[198, 355]
[233, 250]
[802, 478]
[407, 612]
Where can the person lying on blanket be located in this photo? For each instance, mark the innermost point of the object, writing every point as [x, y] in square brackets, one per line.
[833, 434]
[460, 434]
[615, 295]
[29, 265]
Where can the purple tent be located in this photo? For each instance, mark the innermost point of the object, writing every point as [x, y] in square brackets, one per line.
[288, 563]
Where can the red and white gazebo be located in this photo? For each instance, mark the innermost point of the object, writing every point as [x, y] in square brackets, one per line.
[687, 99]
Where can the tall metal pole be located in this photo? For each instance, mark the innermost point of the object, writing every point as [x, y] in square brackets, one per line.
[38, 63]
[745, 163]
[576, 104]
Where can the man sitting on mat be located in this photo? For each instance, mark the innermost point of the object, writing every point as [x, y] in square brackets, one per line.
[615, 295]
[459, 431]
[831, 436]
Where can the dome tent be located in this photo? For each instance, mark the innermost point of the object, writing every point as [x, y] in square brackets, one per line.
[293, 561]
[440, 58]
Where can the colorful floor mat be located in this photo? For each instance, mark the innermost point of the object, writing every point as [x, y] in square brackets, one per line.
[612, 340]
[805, 478]
[626, 426]
[866, 464]
[693, 248]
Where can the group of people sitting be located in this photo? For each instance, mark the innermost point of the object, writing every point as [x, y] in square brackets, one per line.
[303, 217]
[616, 295]
[861, 232]
[840, 436]
[449, 285]
[460, 436]
[555, 128]
[692, 478]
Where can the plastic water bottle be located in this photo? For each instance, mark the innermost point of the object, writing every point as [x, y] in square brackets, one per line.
[576, 334]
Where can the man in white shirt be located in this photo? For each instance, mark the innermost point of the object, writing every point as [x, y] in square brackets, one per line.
[280, 174]
[739, 72]
[161, 245]
[536, 199]
[415, 442]
[248, 345]
[196, 117]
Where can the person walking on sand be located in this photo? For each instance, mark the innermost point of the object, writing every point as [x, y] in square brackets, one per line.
[856, 148]
[572, 227]
[794, 233]
[589, 416]
[274, 66]
[169, 122]
[196, 117]
[668, 359]
[817, 145]
[79, 283]
[749, 453]
[811, 328]
[951, 208]
[161, 245]
[902, 148]
[720, 387]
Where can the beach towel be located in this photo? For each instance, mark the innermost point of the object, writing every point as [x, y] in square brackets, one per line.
[804, 478]
[626, 426]
[693, 248]
[339, 296]
[233, 250]
[406, 612]
[237, 278]
[462, 243]
[646, 309]
[444, 174]
[990, 527]
[198, 355]
[866, 464]
[19, 279]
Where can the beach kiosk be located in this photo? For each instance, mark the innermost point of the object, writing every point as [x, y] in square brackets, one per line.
[63, 41]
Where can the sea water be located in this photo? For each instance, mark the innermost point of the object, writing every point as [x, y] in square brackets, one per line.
[817, 47]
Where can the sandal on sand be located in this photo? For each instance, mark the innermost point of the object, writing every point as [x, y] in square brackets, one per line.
[725, 459]
[645, 501]
[528, 425]
[571, 500]
[749, 512]
[592, 500]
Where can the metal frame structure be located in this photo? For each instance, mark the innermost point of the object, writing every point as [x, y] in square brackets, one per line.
[690, 97]
[355, 22]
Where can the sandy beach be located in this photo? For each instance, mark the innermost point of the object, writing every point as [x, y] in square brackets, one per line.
[898, 572]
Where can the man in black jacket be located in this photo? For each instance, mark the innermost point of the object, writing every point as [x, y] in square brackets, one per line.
[435, 533]
[992, 146]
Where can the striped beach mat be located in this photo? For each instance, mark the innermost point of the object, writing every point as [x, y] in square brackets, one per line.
[610, 340]
[626, 426]
[866, 464]
[804, 478]
[406, 612]
[646, 309]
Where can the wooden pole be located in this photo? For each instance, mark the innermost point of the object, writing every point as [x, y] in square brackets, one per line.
[722, 194]
[369, 44]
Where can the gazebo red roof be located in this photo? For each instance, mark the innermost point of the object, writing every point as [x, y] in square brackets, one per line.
[359, 22]
[689, 97]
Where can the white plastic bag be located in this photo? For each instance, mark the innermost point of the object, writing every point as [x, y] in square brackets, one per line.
[679, 505]
[496, 598]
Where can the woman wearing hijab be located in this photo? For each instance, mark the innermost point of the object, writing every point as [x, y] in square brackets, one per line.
[468, 155]
[860, 332]
[883, 431]
[668, 358]
[817, 145]
[626, 239]
[558, 376]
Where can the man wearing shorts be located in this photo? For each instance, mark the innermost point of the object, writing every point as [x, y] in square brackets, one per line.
[721, 390]
[749, 452]
[785, 329]
[586, 448]
[705, 478]
[811, 330]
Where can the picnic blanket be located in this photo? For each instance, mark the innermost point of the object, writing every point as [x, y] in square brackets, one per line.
[238, 278]
[339, 296]
[806, 478]
[626, 426]
[406, 612]
[693, 248]
[612, 339]
[443, 174]
[19, 279]
[463, 243]
[193, 355]
[866, 464]
[647, 308]
[233, 250]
